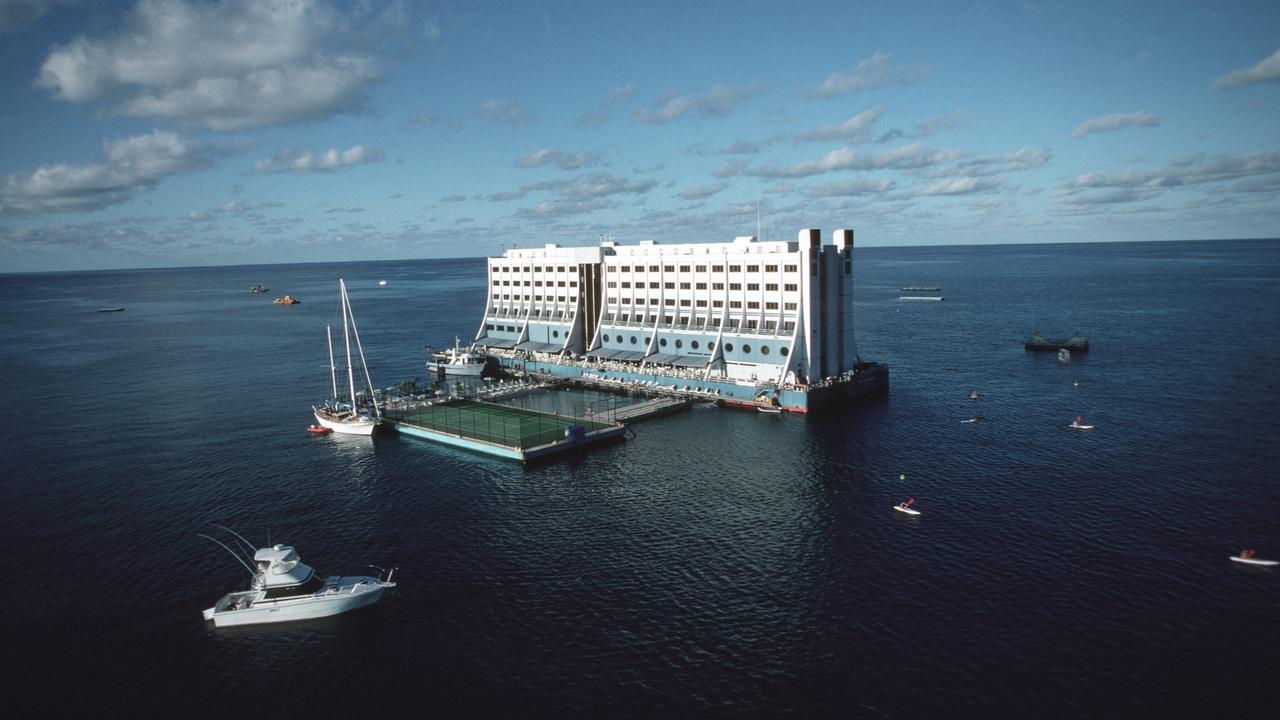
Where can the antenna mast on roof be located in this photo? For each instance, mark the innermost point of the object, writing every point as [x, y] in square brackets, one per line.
[757, 210]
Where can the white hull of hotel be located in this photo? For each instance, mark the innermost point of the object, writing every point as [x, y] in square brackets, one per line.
[358, 426]
[747, 311]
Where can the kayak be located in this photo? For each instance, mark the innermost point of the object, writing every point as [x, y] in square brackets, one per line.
[906, 510]
[1073, 426]
[970, 420]
[1255, 561]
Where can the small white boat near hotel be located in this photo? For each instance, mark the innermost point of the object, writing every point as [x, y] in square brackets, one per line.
[345, 415]
[285, 589]
[457, 360]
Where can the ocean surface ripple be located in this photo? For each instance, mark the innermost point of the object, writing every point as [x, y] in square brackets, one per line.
[719, 563]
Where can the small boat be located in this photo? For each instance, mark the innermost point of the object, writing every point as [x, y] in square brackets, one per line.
[318, 430]
[285, 589]
[109, 310]
[905, 507]
[348, 414]
[1064, 355]
[458, 360]
[973, 395]
[1249, 556]
[1077, 425]
[769, 409]
[1039, 343]
[970, 420]
[287, 300]
[382, 283]
[259, 289]
[920, 289]
[935, 298]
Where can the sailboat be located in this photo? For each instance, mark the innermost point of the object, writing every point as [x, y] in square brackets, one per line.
[345, 415]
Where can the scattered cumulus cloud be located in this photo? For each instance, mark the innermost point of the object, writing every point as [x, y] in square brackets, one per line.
[1016, 161]
[702, 192]
[503, 112]
[1116, 121]
[126, 168]
[870, 72]
[729, 168]
[1264, 71]
[861, 187]
[423, 117]
[959, 186]
[558, 158]
[304, 161]
[431, 31]
[720, 101]
[741, 147]
[906, 157]
[1259, 170]
[600, 115]
[856, 129]
[225, 66]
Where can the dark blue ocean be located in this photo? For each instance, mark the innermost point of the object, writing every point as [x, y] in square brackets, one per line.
[718, 564]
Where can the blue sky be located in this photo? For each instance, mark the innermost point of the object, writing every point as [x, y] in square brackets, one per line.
[163, 133]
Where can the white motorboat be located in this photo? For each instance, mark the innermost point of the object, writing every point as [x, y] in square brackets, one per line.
[285, 589]
[457, 360]
[347, 414]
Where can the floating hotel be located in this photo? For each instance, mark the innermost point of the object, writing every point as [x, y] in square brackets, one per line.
[750, 322]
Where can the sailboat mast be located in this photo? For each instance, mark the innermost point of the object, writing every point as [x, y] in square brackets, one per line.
[333, 369]
[346, 337]
[364, 366]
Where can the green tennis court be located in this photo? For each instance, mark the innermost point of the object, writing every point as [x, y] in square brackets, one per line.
[499, 424]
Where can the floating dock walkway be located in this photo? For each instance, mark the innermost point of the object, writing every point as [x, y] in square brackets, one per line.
[498, 430]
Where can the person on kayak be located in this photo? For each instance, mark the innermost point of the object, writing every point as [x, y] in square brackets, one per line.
[1248, 553]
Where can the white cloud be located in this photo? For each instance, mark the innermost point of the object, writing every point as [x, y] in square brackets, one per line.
[741, 147]
[1116, 121]
[431, 31]
[558, 158]
[1259, 170]
[1021, 159]
[720, 101]
[304, 161]
[225, 66]
[127, 167]
[906, 157]
[959, 186]
[729, 168]
[424, 117]
[1265, 70]
[504, 112]
[868, 73]
[856, 129]
[600, 115]
[852, 188]
[702, 192]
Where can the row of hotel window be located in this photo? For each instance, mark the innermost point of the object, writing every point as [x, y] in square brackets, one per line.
[652, 268]
[751, 287]
[769, 287]
[669, 302]
[731, 323]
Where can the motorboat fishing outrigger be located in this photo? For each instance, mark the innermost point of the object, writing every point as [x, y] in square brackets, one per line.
[285, 589]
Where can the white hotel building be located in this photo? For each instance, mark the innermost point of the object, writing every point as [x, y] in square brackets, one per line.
[743, 311]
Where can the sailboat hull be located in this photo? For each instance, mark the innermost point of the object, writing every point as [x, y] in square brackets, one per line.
[355, 426]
